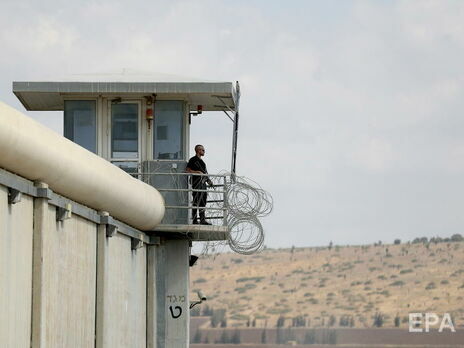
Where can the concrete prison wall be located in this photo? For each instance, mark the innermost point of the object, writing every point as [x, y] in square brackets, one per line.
[76, 268]
[16, 223]
[65, 283]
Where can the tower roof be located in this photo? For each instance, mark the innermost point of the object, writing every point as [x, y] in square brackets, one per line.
[49, 94]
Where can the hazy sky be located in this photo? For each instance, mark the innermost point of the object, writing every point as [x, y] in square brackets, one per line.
[351, 111]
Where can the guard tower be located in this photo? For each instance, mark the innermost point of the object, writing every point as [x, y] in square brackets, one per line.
[141, 123]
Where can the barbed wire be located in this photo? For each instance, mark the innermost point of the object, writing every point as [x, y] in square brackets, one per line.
[246, 235]
[246, 198]
[245, 202]
[235, 201]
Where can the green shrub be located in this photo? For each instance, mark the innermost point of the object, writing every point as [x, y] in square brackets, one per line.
[397, 283]
[276, 310]
[239, 317]
[248, 279]
[385, 293]
[247, 286]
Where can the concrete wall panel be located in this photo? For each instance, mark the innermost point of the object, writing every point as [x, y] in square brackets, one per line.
[152, 296]
[123, 307]
[15, 271]
[69, 281]
[172, 281]
[177, 294]
[66, 284]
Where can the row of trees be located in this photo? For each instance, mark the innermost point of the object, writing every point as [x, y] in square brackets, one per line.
[218, 316]
[298, 321]
[379, 320]
[424, 240]
[223, 339]
[219, 319]
[284, 336]
[205, 310]
[302, 321]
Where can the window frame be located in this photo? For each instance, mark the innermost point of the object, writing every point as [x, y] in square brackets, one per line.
[97, 121]
[112, 159]
[183, 138]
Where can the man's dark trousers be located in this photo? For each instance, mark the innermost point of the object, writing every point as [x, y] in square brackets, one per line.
[199, 200]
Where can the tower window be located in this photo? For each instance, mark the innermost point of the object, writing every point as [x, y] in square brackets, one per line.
[80, 123]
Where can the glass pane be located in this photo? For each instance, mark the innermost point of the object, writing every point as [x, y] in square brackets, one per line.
[128, 167]
[169, 117]
[124, 131]
[80, 123]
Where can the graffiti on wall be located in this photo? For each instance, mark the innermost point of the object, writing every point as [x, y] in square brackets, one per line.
[176, 311]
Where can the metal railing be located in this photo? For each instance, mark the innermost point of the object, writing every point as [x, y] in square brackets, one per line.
[177, 190]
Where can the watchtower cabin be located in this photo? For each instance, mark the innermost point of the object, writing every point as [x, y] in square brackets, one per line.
[141, 123]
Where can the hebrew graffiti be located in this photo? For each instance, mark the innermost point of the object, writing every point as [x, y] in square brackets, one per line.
[176, 298]
[172, 312]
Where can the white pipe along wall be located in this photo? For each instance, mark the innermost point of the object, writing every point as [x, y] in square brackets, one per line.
[37, 153]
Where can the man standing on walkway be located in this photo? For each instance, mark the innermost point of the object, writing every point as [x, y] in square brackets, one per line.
[197, 166]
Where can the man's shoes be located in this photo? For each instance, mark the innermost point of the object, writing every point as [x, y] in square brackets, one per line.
[204, 222]
[195, 222]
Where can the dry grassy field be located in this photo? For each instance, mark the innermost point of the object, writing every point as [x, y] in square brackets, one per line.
[342, 337]
[333, 287]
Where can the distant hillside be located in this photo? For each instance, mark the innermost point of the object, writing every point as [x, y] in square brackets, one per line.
[352, 286]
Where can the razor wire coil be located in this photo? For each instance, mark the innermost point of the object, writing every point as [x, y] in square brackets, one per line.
[233, 200]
